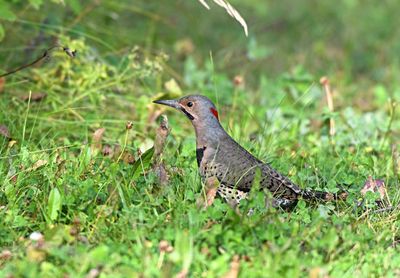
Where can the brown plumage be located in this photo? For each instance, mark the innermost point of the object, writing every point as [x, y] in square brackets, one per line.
[221, 157]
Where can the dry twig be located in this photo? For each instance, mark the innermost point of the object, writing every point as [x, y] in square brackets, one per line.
[45, 55]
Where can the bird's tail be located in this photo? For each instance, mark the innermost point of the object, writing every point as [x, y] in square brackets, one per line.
[315, 195]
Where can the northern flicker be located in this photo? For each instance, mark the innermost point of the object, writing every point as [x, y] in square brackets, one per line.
[220, 156]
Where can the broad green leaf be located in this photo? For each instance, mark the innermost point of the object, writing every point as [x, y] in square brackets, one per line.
[143, 161]
[5, 12]
[54, 203]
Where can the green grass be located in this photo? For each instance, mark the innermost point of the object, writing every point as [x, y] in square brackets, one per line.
[98, 213]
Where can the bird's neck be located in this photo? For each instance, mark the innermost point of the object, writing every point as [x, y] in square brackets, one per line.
[209, 136]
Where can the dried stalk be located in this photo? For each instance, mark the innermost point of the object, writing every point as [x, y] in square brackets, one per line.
[329, 98]
[45, 55]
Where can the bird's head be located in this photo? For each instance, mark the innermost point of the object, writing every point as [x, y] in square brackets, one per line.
[199, 109]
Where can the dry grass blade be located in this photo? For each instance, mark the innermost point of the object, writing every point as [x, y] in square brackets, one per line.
[204, 4]
[230, 10]
[329, 98]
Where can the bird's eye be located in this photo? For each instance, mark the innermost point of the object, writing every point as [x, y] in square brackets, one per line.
[189, 104]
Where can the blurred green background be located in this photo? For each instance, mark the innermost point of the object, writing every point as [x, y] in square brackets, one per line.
[353, 41]
[108, 214]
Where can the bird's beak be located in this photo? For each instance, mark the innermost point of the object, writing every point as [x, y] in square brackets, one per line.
[172, 103]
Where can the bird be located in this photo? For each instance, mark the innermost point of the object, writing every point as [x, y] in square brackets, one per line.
[221, 158]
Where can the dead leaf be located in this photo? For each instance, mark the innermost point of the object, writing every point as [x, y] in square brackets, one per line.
[93, 273]
[374, 186]
[98, 134]
[119, 154]
[4, 131]
[2, 83]
[164, 246]
[108, 151]
[161, 137]
[183, 274]
[161, 173]
[5, 255]
[211, 186]
[60, 162]
[211, 193]
[34, 97]
[235, 267]
[317, 272]
[238, 81]
[38, 164]
[97, 137]
[379, 186]
[129, 125]
[128, 158]
[159, 145]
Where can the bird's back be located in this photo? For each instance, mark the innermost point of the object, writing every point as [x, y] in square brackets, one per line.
[236, 168]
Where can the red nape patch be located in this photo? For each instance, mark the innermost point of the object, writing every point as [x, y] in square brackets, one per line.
[215, 113]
